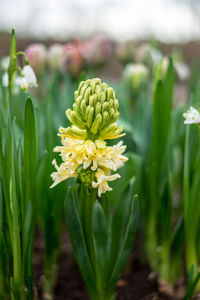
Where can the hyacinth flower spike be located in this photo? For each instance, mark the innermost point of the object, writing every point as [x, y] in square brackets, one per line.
[86, 156]
[84, 147]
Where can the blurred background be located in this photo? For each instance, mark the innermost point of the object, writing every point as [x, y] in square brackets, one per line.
[104, 35]
[169, 21]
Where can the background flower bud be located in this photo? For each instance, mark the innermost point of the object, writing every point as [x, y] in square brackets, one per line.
[135, 75]
[95, 51]
[71, 60]
[54, 56]
[148, 55]
[125, 51]
[36, 54]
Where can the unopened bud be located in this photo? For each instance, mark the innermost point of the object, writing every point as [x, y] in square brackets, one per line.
[76, 120]
[110, 93]
[83, 106]
[87, 94]
[90, 116]
[105, 118]
[96, 124]
[105, 106]
[68, 114]
[97, 108]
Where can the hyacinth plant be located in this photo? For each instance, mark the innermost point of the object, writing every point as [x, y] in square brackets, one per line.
[101, 243]
[17, 186]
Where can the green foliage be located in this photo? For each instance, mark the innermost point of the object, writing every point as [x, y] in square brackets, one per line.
[162, 168]
[112, 240]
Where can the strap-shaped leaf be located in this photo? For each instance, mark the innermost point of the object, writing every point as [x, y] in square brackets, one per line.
[16, 237]
[28, 221]
[100, 243]
[125, 247]
[29, 152]
[29, 190]
[119, 222]
[78, 243]
[192, 283]
[161, 122]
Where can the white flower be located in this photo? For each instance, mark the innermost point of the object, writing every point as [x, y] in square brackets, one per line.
[17, 81]
[135, 75]
[102, 181]
[23, 84]
[5, 63]
[62, 173]
[5, 79]
[29, 80]
[30, 76]
[192, 116]
[136, 69]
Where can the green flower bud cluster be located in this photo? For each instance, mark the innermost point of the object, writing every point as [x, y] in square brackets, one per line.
[87, 177]
[95, 110]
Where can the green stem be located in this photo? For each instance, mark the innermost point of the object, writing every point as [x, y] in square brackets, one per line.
[103, 297]
[50, 272]
[190, 252]
[152, 242]
[186, 173]
[190, 236]
[18, 274]
[165, 263]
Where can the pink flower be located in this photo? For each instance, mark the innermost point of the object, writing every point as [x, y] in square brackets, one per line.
[36, 54]
[96, 50]
[71, 59]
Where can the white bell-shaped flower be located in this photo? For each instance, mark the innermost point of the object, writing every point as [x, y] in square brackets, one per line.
[29, 76]
[23, 84]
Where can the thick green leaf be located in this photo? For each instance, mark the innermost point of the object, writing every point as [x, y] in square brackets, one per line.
[126, 246]
[159, 132]
[14, 204]
[28, 221]
[29, 153]
[78, 243]
[101, 243]
[119, 222]
[161, 123]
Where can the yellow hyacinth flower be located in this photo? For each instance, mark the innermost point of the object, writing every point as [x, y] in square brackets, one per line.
[84, 149]
[102, 181]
